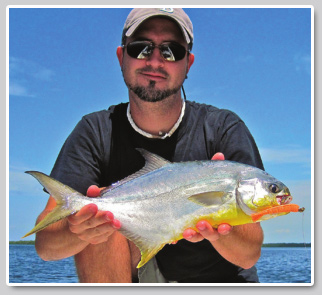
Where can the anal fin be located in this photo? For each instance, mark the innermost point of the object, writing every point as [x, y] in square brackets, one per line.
[147, 254]
[147, 247]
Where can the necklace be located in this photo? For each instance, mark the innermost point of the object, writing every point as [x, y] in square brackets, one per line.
[161, 134]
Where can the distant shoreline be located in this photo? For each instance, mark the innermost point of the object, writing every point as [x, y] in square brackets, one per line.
[287, 245]
[266, 245]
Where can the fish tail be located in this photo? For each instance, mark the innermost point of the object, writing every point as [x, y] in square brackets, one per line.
[61, 193]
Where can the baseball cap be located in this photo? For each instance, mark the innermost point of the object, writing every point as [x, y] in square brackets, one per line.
[139, 15]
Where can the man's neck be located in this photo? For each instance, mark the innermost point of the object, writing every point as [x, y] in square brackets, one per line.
[156, 118]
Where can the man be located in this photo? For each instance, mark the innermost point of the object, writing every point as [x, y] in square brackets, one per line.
[155, 59]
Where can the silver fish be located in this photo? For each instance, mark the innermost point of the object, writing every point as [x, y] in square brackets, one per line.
[157, 203]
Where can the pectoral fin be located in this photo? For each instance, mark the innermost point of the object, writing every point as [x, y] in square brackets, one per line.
[215, 198]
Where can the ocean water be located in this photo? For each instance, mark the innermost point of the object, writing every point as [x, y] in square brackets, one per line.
[25, 266]
[276, 265]
[285, 265]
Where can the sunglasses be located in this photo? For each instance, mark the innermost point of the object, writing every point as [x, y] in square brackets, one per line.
[143, 49]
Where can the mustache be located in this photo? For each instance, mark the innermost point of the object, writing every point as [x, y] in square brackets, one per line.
[153, 70]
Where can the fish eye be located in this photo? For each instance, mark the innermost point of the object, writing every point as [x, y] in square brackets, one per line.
[274, 188]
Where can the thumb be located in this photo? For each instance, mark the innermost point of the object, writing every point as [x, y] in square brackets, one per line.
[218, 156]
[93, 191]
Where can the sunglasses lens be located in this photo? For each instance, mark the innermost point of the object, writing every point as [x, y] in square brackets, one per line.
[139, 50]
[173, 52]
[167, 53]
[142, 50]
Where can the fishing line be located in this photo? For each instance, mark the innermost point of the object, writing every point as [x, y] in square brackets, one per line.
[303, 236]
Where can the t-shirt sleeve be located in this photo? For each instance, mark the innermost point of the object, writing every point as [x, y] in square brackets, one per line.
[236, 142]
[78, 163]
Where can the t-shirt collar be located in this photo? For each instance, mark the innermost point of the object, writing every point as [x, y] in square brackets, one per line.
[161, 135]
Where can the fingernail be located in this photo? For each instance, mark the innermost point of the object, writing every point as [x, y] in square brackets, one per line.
[201, 226]
[93, 208]
[109, 216]
[116, 224]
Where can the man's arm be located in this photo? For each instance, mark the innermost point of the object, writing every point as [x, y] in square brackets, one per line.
[56, 241]
[102, 254]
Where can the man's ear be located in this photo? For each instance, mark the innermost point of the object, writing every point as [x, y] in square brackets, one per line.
[191, 59]
[119, 54]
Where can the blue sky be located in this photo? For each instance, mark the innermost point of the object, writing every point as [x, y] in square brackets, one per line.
[253, 61]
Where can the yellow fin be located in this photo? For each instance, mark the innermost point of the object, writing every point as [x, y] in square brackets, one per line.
[148, 247]
[148, 254]
[210, 198]
[61, 193]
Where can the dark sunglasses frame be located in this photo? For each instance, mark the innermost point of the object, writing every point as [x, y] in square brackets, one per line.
[170, 51]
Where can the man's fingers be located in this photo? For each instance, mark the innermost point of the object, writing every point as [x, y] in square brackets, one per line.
[97, 234]
[93, 191]
[116, 224]
[100, 218]
[83, 214]
[224, 229]
[207, 231]
[218, 157]
[92, 225]
[192, 236]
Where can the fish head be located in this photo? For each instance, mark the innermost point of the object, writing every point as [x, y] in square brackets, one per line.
[257, 194]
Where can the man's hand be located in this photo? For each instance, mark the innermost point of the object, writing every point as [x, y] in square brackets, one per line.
[206, 231]
[92, 225]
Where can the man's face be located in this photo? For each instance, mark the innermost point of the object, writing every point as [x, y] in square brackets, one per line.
[154, 79]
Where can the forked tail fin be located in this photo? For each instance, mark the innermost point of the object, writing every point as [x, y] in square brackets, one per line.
[63, 195]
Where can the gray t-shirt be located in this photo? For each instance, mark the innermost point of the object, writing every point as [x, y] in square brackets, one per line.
[102, 150]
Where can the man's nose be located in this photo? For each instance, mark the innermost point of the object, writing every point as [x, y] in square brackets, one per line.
[155, 59]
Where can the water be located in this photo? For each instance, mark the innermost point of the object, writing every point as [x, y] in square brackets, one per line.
[276, 265]
[25, 266]
[285, 265]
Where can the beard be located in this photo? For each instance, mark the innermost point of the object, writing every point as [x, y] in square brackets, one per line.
[150, 93]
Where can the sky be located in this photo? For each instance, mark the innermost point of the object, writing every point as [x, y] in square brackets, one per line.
[254, 61]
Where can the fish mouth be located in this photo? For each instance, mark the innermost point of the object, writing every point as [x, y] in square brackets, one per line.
[284, 199]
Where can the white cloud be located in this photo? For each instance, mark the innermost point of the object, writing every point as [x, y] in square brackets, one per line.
[43, 74]
[18, 90]
[23, 73]
[20, 67]
[303, 63]
[22, 183]
[287, 155]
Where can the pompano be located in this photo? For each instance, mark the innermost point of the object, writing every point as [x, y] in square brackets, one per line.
[157, 203]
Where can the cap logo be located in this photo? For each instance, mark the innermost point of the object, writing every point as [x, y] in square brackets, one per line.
[168, 10]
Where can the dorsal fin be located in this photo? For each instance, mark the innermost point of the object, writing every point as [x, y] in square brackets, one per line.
[152, 162]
